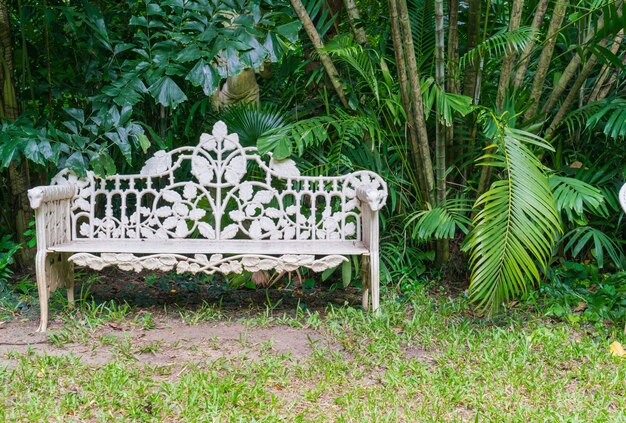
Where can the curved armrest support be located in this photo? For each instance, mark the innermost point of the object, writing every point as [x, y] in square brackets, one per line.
[368, 187]
[45, 194]
[372, 195]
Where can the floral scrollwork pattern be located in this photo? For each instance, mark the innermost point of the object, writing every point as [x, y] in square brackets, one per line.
[207, 264]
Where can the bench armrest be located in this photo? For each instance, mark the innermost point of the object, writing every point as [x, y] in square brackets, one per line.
[622, 197]
[46, 194]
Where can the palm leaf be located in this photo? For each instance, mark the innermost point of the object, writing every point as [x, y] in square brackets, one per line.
[499, 44]
[251, 121]
[574, 196]
[585, 238]
[515, 229]
[441, 222]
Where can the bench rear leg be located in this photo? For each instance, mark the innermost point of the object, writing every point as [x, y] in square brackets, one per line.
[68, 275]
[365, 285]
[374, 281]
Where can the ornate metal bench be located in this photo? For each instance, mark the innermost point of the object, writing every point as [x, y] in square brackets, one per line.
[213, 207]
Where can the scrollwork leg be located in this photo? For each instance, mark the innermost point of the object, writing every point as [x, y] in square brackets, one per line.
[375, 281]
[43, 288]
[68, 271]
[365, 277]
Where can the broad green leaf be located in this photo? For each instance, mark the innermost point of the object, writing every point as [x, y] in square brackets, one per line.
[77, 114]
[144, 142]
[205, 76]
[166, 92]
[77, 163]
[290, 30]
[102, 164]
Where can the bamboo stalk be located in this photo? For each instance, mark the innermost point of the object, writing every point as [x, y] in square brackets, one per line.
[453, 84]
[546, 57]
[405, 93]
[507, 63]
[574, 92]
[315, 38]
[540, 12]
[354, 20]
[418, 106]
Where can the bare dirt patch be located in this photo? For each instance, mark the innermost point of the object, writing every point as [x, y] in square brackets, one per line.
[171, 342]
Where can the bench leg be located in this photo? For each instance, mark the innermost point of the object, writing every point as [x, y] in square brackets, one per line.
[53, 271]
[375, 281]
[365, 277]
[43, 289]
[68, 272]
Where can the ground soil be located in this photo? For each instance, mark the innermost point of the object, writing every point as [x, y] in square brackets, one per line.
[165, 296]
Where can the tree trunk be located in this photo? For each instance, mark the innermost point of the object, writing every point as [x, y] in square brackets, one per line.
[503, 85]
[417, 104]
[241, 88]
[507, 63]
[314, 36]
[453, 84]
[571, 68]
[604, 72]
[574, 92]
[546, 57]
[9, 110]
[440, 129]
[355, 22]
[540, 12]
[473, 32]
[405, 94]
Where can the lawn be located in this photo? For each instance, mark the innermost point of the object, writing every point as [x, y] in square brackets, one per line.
[425, 358]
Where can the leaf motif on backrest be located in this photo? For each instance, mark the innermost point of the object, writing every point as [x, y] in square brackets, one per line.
[208, 142]
[219, 131]
[231, 142]
[284, 168]
[235, 170]
[202, 169]
[160, 163]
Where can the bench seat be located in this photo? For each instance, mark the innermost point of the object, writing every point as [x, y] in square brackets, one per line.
[202, 246]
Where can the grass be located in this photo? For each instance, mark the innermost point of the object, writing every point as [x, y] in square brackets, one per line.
[424, 359]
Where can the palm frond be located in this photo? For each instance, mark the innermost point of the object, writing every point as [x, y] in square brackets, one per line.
[346, 51]
[587, 238]
[422, 19]
[516, 227]
[613, 114]
[252, 121]
[441, 222]
[317, 130]
[499, 44]
[574, 196]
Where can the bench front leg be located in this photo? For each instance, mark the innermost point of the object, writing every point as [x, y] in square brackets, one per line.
[371, 286]
[52, 219]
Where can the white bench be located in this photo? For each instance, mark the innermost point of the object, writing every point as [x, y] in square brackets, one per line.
[213, 207]
[622, 197]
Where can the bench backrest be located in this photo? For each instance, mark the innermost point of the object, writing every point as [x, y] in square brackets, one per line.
[218, 190]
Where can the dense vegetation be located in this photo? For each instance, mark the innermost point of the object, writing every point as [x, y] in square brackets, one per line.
[498, 125]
